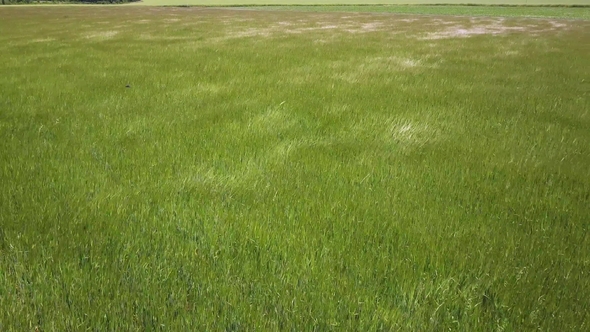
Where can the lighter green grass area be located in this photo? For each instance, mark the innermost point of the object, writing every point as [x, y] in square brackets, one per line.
[280, 170]
[550, 12]
[360, 2]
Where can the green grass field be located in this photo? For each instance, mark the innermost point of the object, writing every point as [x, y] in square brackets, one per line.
[361, 2]
[495, 11]
[191, 169]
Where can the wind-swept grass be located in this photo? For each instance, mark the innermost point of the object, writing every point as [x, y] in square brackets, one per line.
[198, 169]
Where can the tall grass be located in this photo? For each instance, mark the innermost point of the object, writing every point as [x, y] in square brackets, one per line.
[191, 169]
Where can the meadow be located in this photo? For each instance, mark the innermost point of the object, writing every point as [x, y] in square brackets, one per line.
[495, 11]
[196, 169]
[365, 2]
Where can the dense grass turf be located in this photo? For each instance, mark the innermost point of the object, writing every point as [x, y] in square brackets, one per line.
[292, 171]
